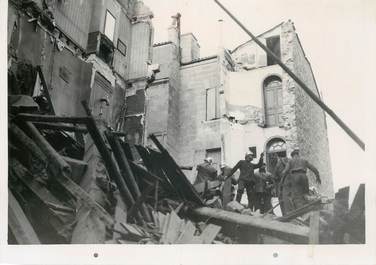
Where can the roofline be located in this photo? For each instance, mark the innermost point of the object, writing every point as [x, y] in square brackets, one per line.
[258, 36]
[200, 60]
[162, 43]
[309, 64]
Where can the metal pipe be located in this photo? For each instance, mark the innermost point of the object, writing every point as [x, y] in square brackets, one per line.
[298, 81]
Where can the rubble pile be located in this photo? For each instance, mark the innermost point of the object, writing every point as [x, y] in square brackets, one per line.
[72, 180]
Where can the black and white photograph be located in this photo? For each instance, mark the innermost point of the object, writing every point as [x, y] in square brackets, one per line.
[212, 122]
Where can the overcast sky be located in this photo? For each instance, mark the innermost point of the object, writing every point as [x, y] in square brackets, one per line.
[334, 35]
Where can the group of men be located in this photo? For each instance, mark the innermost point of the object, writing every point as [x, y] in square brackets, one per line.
[261, 186]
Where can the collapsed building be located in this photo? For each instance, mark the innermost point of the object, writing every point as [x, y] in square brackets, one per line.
[87, 87]
[225, 104]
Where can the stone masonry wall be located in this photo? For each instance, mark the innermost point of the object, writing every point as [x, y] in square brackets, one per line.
[311, 123]
[288, 88]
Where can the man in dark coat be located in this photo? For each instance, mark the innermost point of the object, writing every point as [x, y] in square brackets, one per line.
[247, 177]
[297, 167]
[263, 189]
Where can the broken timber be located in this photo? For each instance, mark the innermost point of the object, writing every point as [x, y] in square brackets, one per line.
[19, 224]
[286, 231]
[176, 175]
[298, 81]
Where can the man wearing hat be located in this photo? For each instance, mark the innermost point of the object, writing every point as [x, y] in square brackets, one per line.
[206, 171]
[247, 177]
[297, 167]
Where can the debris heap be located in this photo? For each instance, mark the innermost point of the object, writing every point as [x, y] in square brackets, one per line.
[72, 180]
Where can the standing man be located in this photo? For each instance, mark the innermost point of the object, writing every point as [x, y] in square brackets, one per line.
[206, 171]
[247, 177]
[263, 188]
[297, 178]
[278, 170]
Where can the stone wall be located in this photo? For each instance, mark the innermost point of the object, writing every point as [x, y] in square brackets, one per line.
[196, 134]
[310, 122]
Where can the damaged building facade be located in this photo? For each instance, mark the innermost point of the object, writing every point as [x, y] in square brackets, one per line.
[226, 104]
[84, 49]
[104, 127]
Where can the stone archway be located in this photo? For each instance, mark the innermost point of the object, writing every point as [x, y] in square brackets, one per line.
[275, 147]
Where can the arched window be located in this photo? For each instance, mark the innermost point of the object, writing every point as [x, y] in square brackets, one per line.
[273, 101]
[276, 147]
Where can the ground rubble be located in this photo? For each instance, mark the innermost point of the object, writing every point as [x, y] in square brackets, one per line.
[74, 180]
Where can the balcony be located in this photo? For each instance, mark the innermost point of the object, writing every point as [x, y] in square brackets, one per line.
[102, 46]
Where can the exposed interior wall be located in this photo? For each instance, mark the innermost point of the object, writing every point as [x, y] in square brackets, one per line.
[73, 19]
[249, 55]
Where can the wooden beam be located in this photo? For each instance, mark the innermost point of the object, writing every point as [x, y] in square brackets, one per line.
[54, 157]
[19, 224]
[176, 175]
[302, 210]
[286, 231]
[127, 172]
[51, 118]
[60, 127]
[140, 200]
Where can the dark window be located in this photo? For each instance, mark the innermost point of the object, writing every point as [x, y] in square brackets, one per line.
[212, 106]
[274, 44]
[122, 48]
[273, 101]
[253, 149]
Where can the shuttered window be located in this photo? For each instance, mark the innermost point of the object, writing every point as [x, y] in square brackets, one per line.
[212, 106]
[109, 26]
[273, 101]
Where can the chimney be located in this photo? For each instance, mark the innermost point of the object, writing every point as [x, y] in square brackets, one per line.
[190, 49]
[174, 30]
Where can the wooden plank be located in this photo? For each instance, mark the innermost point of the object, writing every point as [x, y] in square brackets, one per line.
[132, 229]
[209, 233]
[314, 227]
[173, 228]
[90, 229]
[161, 221]
[19, 224]
[287, 231]
[164, 229]
[196, 240]
[187, 234]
